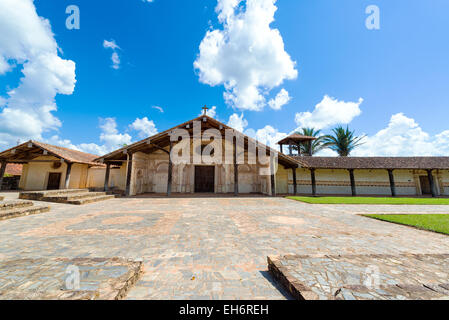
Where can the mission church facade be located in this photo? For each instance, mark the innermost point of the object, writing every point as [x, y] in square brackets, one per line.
[238, 166]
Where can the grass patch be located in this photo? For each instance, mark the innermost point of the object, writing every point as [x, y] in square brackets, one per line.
[432, 222]
[371, 200]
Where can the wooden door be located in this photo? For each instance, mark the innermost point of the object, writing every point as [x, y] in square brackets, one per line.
[425, 185]
[54, 180]
[204, 178]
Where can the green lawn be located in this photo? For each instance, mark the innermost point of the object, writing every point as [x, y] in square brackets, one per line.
[433, 222]
[370, 200]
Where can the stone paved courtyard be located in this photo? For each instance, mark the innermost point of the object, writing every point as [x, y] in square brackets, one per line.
[211, 247]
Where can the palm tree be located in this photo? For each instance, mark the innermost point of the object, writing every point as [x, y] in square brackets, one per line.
[317, 145]
[343, 141]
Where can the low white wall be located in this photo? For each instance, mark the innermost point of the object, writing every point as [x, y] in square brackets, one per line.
[368, 182]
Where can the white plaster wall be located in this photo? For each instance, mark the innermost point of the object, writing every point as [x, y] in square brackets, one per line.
[368, 182]
[35, 176]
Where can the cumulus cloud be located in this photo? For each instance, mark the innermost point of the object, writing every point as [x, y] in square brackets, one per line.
[237, 122]
[26, 40]
[146, 128]
[115, 57]
[404, 137]
[267, 135]
[280, 100]
[247, 56]
[211, 112]
[110, 137]
[329, 112]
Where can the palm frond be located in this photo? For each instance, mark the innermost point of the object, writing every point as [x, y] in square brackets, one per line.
[343, 141]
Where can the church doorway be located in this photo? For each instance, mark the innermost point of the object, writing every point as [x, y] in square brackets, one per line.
[204, 179]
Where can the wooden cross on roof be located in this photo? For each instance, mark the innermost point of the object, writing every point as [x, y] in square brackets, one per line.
[205, 108]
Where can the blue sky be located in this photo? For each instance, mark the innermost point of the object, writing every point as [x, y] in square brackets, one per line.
[391, 84]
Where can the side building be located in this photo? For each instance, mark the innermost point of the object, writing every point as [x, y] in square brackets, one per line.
[49, 167]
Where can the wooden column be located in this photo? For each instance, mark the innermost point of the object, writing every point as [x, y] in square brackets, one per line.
[170, 171]
[128, 174]
[295, 187]
[272, 177]
[392, 184]
[236, 169]
[106, 177]
[299, 148]
[290, 149]
[2, 172]
[282, 148]
[432, 183]
[351, 177]
[312, 176]
[310, 149]
[67, 175]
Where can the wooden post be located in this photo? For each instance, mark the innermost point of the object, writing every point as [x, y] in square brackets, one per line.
[272, 177]
[290, 149]
[351, 177]
[2, 172]
[392, 184]
[282, 148]
[299, 148]
[236, 169]
[432, 183]
[128, 174]
[106, 177]
[312, 176]
[295, 187]
[170, 170]
[67, 175]
[310, 148]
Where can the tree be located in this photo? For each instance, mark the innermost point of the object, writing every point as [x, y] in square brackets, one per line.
[343, 141]
[317, 145]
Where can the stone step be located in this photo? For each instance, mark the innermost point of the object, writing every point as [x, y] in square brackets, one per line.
[21, 212]
[36, 195]
[71, 197]
[8, 205]
[90, 199]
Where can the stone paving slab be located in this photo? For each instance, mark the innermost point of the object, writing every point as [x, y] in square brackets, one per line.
[54, 279]
[210, 247]
[363, 277]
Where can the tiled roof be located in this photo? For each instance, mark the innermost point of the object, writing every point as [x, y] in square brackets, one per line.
[68, 154]
[14, 154]
[375, 162]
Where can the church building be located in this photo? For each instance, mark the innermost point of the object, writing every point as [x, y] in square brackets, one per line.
[204, 155]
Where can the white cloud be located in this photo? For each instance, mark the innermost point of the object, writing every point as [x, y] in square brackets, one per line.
[404, 137]
[110, 44]
[246, 56]
[280, 100]
[145, 127]
[110, 137]
[211, 112]
[114, 57]
[161, 110]
[27, 40]
[237, 122]
[329, 112]
[267, 135]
